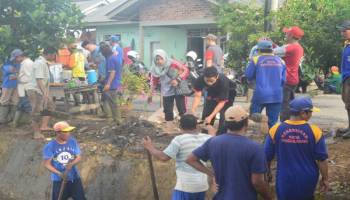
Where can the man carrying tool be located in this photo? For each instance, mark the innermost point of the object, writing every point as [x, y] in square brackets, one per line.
[38, 92]
[301, 153]
[190, 184]
[221, 94]
[60, 158]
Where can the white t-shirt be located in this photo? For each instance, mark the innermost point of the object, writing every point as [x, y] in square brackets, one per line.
[188, 178]
[25, 76]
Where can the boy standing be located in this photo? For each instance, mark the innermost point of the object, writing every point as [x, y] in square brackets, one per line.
[60, 158]
[191, 184]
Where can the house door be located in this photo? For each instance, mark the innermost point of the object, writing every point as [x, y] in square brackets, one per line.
[196, 44]
[153, 46]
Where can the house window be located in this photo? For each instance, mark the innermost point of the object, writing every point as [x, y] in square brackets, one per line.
[107, 37]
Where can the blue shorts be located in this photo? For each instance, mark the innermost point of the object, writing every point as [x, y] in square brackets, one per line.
[179, 195]
[73, 189]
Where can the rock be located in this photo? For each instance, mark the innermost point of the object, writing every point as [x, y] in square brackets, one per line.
[132, 135]
[83, 129]
[94, 148]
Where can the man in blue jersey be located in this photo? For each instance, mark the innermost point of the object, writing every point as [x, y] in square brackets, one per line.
[61, 157]
[268, 73]
[116, 48]
[301, 153]
[345, 71]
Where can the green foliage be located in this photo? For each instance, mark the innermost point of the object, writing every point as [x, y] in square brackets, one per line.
[318, 18]
[35, 24]
[132, 85]
[240, 21]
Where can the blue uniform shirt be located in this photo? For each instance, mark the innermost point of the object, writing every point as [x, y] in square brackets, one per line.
[345, 62]
[99, 59]
[297, 146]
[61, 154]
[268, 71]
[9, 71]
[114, 64]
[120, 55]
[234, 158]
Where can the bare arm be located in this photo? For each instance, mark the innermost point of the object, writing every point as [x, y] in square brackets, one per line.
[209, 63]
[48, 165]
[261, 185]
[42, 87]
[193, 161]
[196, 101]
[111, 77]
[323, 166]
[160, 155]
[217, 109]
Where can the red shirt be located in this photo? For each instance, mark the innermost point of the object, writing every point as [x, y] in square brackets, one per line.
[292, 58]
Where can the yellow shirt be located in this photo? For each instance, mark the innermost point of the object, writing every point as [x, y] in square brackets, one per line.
[76, 63]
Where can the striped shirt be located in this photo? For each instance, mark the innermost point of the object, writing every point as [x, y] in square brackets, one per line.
[188, 178]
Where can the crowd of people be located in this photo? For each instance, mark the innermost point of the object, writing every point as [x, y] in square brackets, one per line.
[240, 167]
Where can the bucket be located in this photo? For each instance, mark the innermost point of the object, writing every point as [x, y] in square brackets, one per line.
[91, 77]
[55, 72]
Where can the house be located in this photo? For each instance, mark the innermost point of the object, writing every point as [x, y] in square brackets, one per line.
[176, 26]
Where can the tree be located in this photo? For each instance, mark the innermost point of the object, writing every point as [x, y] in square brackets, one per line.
[318, 18]
[241, 21]
[35, 24]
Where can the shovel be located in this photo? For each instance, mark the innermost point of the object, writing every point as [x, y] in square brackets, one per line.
[153, 177]
[63, 184]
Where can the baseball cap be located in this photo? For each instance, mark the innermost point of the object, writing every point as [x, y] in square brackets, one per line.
[211, 37]
[302, 104]
[296, 31]
[344, 26]
[264, 44]
[63, 126]
[15, 53]
[115, 38]
[236, 113]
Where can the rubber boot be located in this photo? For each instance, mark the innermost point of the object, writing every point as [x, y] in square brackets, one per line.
[17, 119]
[11, 114]
[4, 111]
[346, 135]
[107, 112]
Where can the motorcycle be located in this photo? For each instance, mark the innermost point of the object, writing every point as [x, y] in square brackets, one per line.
[194, 65]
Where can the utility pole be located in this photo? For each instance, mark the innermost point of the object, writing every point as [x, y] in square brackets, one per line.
[267, 24]
[270, 5]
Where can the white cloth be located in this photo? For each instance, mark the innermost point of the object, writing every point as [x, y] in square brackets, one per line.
[25, 76]
[191, 182]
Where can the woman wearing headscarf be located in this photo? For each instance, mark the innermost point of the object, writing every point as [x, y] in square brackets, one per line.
[169, 73]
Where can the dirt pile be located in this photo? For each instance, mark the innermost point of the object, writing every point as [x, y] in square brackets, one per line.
[114, 164]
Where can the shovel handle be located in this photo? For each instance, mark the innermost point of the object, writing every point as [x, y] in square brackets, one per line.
[153, 177]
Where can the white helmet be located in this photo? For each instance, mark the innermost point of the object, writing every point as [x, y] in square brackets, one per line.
[192, 55]
[133, 54]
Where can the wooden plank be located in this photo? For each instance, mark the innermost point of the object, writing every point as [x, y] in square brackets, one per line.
[83, 107]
